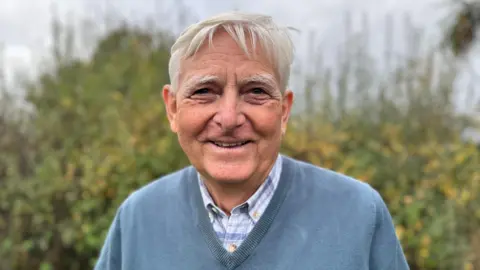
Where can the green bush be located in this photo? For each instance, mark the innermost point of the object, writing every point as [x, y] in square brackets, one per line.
[100, 132]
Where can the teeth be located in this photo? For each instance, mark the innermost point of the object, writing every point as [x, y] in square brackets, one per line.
[229, 144]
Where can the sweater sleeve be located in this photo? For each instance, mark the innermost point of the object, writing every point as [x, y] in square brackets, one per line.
[111, 252]
[386, 250]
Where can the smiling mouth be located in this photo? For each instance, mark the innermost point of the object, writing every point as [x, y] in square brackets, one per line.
[230, 145]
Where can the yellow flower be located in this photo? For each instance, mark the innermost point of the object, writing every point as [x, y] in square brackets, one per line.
[426, 240]
[399, 231]
[468, 266]
[407, 199]
[424, 253]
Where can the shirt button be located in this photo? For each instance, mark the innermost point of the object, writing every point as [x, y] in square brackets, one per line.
[232, 247]
[256, 214]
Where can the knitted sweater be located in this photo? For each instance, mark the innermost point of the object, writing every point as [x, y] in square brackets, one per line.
[317, 219]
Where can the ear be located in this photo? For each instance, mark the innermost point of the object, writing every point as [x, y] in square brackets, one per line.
[170, 100]
[287, 103]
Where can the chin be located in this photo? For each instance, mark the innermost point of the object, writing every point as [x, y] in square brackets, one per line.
[230, 172]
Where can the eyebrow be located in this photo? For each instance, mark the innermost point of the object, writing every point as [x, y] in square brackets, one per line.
[200, 79]
[267, 79]
[259, 78]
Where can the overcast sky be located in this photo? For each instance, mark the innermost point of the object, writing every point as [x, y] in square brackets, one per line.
[25, 24]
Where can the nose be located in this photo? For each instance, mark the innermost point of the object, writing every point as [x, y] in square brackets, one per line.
[229, 116]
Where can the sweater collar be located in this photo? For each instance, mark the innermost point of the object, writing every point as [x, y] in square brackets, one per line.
[200, 216]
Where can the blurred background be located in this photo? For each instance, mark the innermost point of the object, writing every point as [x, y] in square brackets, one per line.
[386, 91]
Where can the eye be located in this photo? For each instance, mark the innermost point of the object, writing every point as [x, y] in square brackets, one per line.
[257, 91]
[201, 91]
[257, 95]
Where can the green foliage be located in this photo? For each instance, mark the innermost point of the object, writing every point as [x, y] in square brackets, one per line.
[99, 131]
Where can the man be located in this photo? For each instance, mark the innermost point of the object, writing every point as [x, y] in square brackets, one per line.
[242, 205]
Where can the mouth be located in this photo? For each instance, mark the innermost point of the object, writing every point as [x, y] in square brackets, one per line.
[230, 144]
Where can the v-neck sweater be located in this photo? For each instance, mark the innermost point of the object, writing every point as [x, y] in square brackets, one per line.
[234, 228]
[317, 219]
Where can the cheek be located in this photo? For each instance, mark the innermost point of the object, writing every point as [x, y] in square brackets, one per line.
[191, 122]
[267, 121]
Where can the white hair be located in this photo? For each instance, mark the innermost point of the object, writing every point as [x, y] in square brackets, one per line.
[275, 41]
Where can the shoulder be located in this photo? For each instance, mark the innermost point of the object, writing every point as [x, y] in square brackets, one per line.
[161, 191]
[331, 193]
[326, 179]
[337, 187]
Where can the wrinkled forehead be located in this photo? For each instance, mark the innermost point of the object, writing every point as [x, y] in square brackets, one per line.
[215, 55]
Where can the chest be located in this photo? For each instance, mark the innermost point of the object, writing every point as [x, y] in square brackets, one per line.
[302, 246]
[291, 244]
[232, 230]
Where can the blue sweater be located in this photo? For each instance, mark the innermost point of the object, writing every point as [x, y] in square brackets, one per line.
[317, 219]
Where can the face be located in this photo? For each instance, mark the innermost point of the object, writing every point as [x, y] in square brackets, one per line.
[228, 112]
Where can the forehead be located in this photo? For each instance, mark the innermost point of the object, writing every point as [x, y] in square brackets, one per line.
[224, 58]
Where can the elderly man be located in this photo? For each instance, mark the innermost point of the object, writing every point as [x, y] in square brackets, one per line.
[242, 205]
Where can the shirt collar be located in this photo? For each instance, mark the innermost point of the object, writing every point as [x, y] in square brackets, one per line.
[257, 203]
